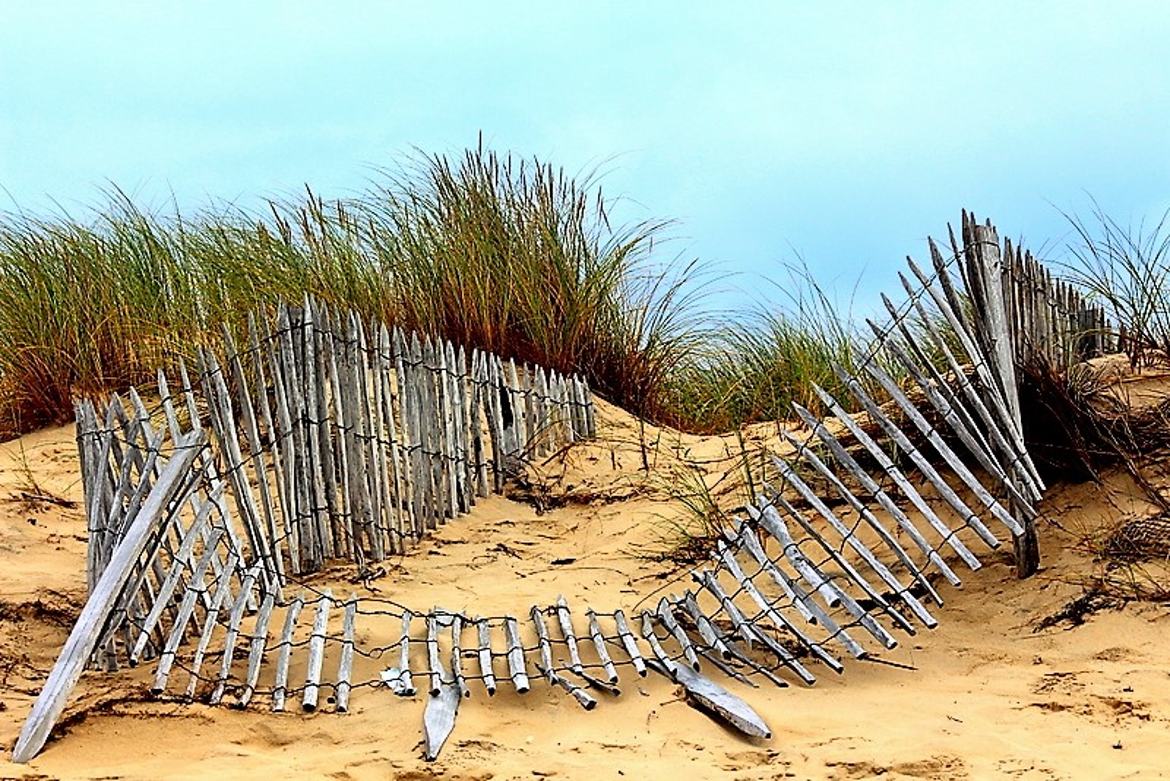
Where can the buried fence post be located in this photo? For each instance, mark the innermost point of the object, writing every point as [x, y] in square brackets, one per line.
[985, 245]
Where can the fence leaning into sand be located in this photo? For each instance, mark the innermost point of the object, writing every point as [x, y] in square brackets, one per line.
[327, 440]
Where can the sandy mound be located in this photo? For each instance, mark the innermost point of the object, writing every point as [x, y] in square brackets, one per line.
[987, 695]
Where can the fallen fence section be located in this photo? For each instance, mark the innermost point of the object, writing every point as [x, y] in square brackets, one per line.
[327, 439]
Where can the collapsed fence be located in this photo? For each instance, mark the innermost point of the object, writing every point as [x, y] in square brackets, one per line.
[356, 441]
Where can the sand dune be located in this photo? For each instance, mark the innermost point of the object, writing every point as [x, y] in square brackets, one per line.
[987, 696]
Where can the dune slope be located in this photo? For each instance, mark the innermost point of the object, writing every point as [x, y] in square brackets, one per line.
[987, 695]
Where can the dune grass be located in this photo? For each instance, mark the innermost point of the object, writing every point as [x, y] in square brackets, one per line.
[755, 366]
[493, 251]
[1126, 268]
[509, 255]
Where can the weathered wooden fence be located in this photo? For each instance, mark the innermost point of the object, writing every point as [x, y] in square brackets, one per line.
[332, 438]
[354, 451]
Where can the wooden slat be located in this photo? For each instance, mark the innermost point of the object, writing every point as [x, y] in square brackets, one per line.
[258, 648]
[517, 669]
[629, 642]
[84, 635]
[280, 687]
[345, 663]
[167, 658]
[483, 633]
[317, 652]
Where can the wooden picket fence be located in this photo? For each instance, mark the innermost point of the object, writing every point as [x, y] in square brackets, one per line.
[353, 447]
[334, 439]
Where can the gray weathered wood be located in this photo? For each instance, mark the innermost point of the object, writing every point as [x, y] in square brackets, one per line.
[546, 658]
[345, 663]
[599, 644]
[84, 635]
[232, 635]
[256, 652]
[746, 630]
[714, 699]
[771, 521]
[565, 619]
[317, 652]
[439, 715]
[517, 670]
[651, 638]
[777, 618]
[186, 610]
[483, 633]
[629, 642]
[583, 698]
[222, 594]
[666, 616]
[280, 687]
[853, 541]
[875, 490]
[433, 662]
[457, 655]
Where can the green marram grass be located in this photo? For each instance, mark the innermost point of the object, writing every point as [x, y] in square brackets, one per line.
[493, 251]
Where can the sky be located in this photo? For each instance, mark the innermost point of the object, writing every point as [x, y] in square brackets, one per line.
[838, 133]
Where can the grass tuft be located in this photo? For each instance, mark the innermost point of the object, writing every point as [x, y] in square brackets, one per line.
[1126, 268]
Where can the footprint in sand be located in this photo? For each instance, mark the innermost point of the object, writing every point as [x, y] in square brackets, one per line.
[1117, 654]
[941, 767]
[749, 760]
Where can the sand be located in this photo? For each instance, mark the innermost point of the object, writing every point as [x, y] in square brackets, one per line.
[988, 697]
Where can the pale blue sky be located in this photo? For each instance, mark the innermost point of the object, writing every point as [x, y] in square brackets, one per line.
[844, 131]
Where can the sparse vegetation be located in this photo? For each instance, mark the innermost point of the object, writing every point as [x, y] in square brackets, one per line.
[752, 369]
[1127, 269]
